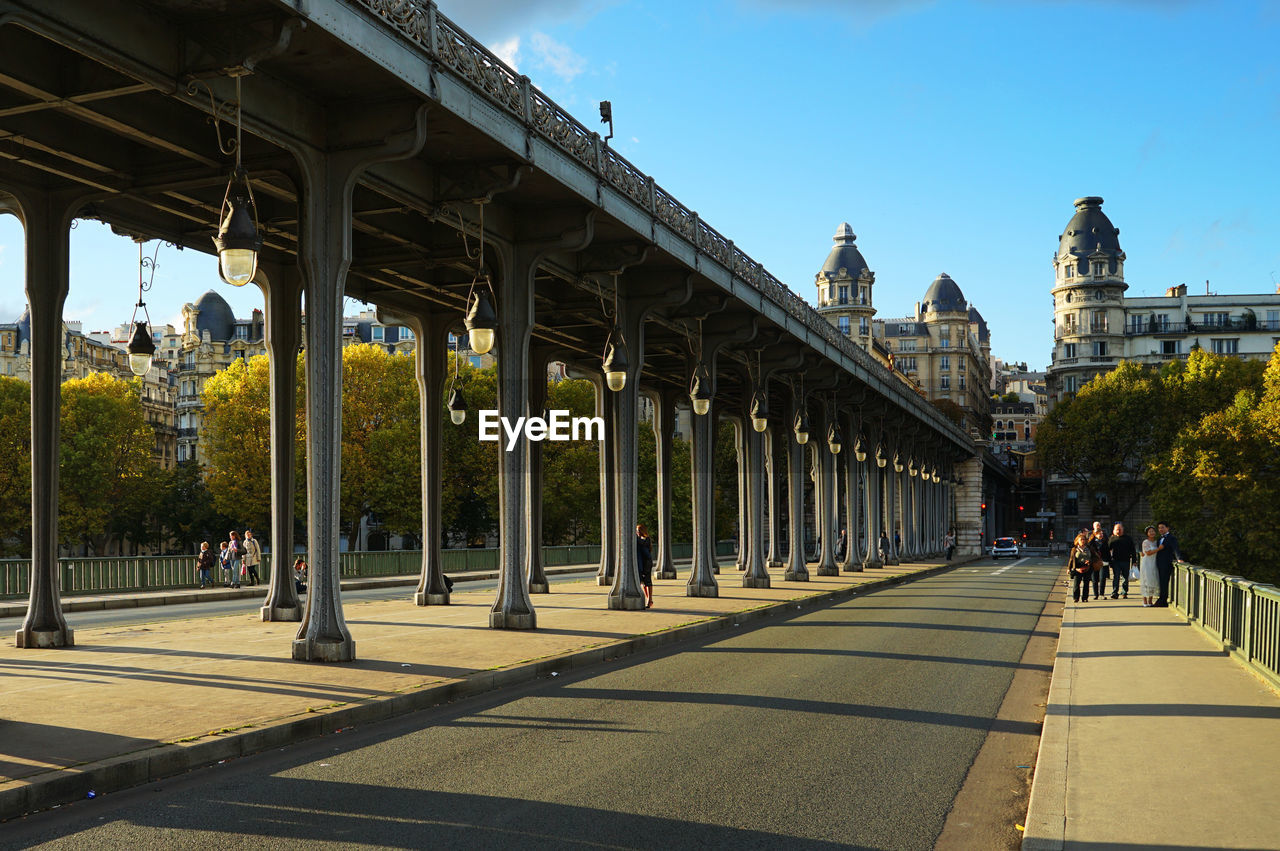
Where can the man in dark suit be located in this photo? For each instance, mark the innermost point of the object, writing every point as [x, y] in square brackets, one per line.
[1166, 554]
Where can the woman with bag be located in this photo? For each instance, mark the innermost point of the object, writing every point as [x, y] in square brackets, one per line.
[1080, 566]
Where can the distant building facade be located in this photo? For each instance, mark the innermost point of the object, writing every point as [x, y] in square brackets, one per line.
[1096, 326]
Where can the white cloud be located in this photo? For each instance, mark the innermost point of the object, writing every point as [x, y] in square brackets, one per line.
[556, 57]
[508, 51]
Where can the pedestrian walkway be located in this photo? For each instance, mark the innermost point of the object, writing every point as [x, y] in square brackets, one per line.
[1153, 738]
[132, 703]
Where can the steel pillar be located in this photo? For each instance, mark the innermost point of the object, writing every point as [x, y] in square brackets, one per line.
[756, 575]
[702, 580]
[873, 508]
[281, 293]
[608, 487]
[46, 218]
[664, 426]
[797, 568]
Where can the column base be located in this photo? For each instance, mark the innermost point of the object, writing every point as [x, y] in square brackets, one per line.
[893, 561]
[630, 602]
[422, 598]
[281, 613]
[741, 567]
[702, 590]
[796, 576]
[604, 580]
[750, 581]
[539, 588]
[45, 638]
[773, 562]
[851, 567]
[715, 569]
[876, 563]
[665, 574]
[828, 571]
[513, 620]
[311, 650]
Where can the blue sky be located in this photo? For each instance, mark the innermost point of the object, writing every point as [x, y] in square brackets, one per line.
[953, 137]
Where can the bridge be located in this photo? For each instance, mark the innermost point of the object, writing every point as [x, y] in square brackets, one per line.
[378, 151]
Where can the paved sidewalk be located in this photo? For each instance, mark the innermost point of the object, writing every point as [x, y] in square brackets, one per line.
[129, 704]
[1153, 738]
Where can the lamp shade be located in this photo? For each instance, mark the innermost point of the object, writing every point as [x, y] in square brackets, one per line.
[833, 439]
[457, 406]
[700, 394]
[802, 428]
[880, 459]
[141, 349]
[759, 412]
[859, 451]
[897, 463]
[238, 242]
[481, 322]
[615, 364]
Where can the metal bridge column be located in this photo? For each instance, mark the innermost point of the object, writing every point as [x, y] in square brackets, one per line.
[702, 580]
[740, 451]
[774, 557]
[664, 426]
[826, 502]
[757, 575]
[281, 292]
[797, 569]
[852, 563]
[874, 508]
[46, 218]
[608, 486]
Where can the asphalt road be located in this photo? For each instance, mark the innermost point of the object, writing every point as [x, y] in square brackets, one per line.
[852, 725]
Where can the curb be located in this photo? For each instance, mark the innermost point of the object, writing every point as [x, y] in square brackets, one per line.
[1046, 822]
[166, 760]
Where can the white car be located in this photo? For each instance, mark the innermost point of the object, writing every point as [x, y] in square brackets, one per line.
[1004, 547]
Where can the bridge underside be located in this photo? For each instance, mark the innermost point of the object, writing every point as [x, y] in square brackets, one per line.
[384, 147]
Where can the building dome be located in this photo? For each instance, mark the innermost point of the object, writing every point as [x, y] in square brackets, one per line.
[215, 317]
[1089, 232]
[24, 327]
[844, 255]
[943, 296]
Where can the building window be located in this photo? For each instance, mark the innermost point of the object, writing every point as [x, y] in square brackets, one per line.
[1071, 383]
[843, 324]
[822, 294]
[1068, 350]
[945, 343]
[862, 296]
[377, 332]
[862, 325]
[1069, 323]
[1225, 347]
[1220, 320]
[1098, 322]
[1068, 271]
[944, 363]
[945, 382]
[1071, 504]
[844, 295]
[1273, 320]
[1098, 269]
[906, 345]
[962, 382]
[1170, 347]
[906, 364]
[1100, 349]
[960, 364]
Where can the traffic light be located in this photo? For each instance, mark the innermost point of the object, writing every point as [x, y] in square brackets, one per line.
[1020, 508]
[984, 508]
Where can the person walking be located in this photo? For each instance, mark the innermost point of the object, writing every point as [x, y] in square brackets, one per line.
[949, 541]
[1123, 556]
[235, 552]
[252, 556]
[644, 561]
[224, 561]
[1166, 554]
[884, 549]
[1080, 566]
[1148, 573]
[1100, 556]
[842, 545]
[204, 564]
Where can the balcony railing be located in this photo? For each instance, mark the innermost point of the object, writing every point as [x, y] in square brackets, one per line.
[1244, 616]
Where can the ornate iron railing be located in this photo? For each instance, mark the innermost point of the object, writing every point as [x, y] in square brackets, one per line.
[421, 23]
[1243, 616]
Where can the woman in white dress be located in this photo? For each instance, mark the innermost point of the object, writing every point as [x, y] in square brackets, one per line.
[1148, 575]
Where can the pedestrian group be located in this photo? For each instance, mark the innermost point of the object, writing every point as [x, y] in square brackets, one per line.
[1095, 556]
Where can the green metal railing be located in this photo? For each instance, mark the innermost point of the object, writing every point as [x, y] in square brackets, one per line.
[1243, 615]
[157, 573]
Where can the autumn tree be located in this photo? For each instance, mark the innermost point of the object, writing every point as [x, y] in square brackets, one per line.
[15, 473]
[235, 442]
[105, 456]
[469, 494]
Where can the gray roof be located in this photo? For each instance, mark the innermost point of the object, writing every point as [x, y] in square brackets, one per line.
[984, 334]
[1090, 231]
[215, 317]
[844, 254]
[943, 295]
[905, 327]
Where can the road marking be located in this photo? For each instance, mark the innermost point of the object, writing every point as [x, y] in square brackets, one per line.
[1007, 566]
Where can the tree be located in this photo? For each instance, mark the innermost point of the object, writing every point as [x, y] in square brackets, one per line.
[105, 454]
[1219, 485]
[469, 494]
[15, 474]
[571, 472]
[235, 441]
